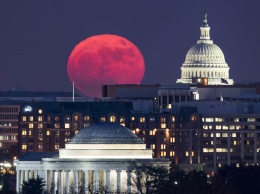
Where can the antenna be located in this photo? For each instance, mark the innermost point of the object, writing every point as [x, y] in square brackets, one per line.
[73, 92]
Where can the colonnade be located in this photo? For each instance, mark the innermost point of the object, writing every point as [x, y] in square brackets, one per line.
[66, 181]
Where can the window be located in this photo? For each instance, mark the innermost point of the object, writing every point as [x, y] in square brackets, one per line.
[57, 118]
[67, 125]
[31, 118]
[205, 127]
[30, 125]
[39, 118]
[172, 153]
[152, 132]
[233, 135]
[132, 118]
[172, 139]
[163, 146]
[56, 125]
[122, 119]
[40, 111]
[225, 127]
[86, 118]
[48, 133]
[24, 118]
[67, 133]
[152, 146]
[208, 150]
[40, 147]
[24, 132]
[163, 125]
[24, 147]
[102, 119]
[57, 147]
[142, 119]
[219, 119]
[112, 119]
[152, 119]
[172, 119]
[163, 119]
[76, 118]
[40, 126]
[218, 127]
[163, 154]
[217, 134]
[30, 132]
[67, 119]
[224, 135]
[186, 153]
[209, 119]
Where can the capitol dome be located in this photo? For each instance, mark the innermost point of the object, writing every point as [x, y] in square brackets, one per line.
[205, 61]
[105, 133]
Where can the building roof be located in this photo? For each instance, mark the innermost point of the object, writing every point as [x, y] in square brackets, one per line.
[38, 156]
[105, 133]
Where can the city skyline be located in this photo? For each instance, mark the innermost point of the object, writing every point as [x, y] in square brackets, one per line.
[38, 37]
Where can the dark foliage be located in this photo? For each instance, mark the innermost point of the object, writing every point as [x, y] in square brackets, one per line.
[33, 186]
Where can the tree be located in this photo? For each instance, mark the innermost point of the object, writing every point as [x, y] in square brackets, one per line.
[6, 188]
[149, 179]
[33, 186]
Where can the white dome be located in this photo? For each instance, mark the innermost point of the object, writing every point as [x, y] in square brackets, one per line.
[205, 53]
[205, 61]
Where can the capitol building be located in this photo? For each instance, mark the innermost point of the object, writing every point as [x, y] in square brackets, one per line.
[205, 61]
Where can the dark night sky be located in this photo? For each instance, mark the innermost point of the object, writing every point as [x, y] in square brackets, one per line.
[36, 37]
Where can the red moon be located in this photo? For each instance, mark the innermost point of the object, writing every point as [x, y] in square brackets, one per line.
[104, 60]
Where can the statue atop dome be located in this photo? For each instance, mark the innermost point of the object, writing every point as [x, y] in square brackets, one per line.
[205, 21]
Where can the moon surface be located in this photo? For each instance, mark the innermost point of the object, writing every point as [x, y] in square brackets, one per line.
[104, 60]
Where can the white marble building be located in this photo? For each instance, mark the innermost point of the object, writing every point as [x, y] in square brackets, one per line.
[99, 157]
[205, 60]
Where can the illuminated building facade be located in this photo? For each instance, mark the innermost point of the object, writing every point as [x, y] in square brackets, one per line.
[99, 158]
[9, 124]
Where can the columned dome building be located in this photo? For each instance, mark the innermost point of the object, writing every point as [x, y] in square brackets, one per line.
[99, 159]
[206, 61]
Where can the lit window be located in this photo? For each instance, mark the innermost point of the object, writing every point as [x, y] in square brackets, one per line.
[67, 119]
[172, 153]
[24, 132]
[217, 134]
[231, 127]
[163, 146]
[163, 154]
[219, 119]
[40, 111]
[235, 143]
[30, 132]
[103, 119]
[172, 139]
[31, 118]
[57, 118]
[208, 150]
[67, 133]
[192, 153]
[123, 124]
[193, 118]
[225, 127]
[163, 125]
[86, 118]
[39, 118]
[112, 119]
[209, 119]
[76, 118]
[142, 119]
[122, 119]
[186, 153]
[56, 125]
[24, 147]
[152, 146]
[24, 118]
[152, 132]
[48, 132]
[221, 149]
[40, 147]
[224, 135]
[172, 119]
[163, 119]
[67, 125]
[132, 118]
[250, 119]
[234, 134]
[205, 127]
[30, 125]
[40, 126]
[218, 127]
[57, 147]
[76, 132]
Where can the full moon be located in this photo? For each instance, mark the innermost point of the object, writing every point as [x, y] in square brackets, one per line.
[104, 60]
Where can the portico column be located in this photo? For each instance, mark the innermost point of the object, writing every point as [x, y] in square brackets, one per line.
[96, 180]
[46, 180]
[108, 181]
[76, 182]
[118, 178]
[86, 181]
[52, 182]
[26, 175]
[67, 183]
[128, 181]
[59, 182]
[18, 179]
